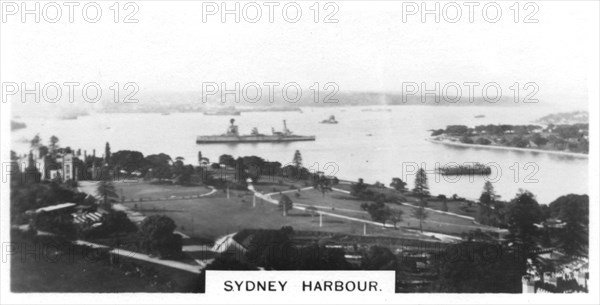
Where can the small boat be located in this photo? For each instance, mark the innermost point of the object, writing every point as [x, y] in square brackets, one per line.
[222, 111]
[331, 120]
[480, 116]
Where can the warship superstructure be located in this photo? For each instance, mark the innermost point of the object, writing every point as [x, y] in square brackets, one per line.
[232, 136]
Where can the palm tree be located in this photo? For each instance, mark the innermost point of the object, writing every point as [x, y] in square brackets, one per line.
[106, 189]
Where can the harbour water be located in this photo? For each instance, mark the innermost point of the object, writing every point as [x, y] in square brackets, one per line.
[368, 142]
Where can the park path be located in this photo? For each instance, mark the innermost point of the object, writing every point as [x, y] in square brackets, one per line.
[143, 257]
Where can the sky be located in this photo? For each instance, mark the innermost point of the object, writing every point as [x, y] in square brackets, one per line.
[370, 48]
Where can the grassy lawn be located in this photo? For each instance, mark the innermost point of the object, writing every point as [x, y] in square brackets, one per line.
[210, 217]
[215, 216]
[73, 269]
[147, 191]
[434, 203]
[454, 207]
[331, 202]
[276, 184]
[345, 204]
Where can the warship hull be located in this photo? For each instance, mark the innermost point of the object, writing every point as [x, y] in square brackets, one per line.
[251, 139]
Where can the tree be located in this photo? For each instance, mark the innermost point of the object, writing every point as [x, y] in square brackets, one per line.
[539, 140]
[53, 145]
[285, 204]
[357, 189]
[573, 211]
[36, 141]
[117, 222]
[270, 249]
[107, 153]
[398, 184]
[161, 172]
[421, 214]
[487, 200]
[106, 190]
[437, 132]
[488, 196]
[66, 150]
[159, 165]
[421, 188]
[483, 141]
[378, 258]
[128, 160]
[158, 236]
[457, 130]
[322, 183]
[227, 160]
[255, 167]
[519, 141]
[254, 172]
[466, 139]
[43, 150]
[241, 171]
[396, 216]
[378, 210]
[185, 175]
[297, 161]
[523, 213]
[477, 272]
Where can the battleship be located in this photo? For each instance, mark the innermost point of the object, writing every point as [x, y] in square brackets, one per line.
[232, 136]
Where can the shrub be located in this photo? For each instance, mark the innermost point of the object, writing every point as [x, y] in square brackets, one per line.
[117, 222]
[466, 140]
[483, 141]
[157, 236]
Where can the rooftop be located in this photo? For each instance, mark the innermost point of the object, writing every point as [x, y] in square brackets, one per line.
[55, 207]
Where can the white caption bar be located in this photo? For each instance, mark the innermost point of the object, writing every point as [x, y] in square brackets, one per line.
[269, 283]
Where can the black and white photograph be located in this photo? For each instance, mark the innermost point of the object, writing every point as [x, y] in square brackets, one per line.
[269, 152]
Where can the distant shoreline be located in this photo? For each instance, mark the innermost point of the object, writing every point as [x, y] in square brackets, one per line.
[561, 153]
